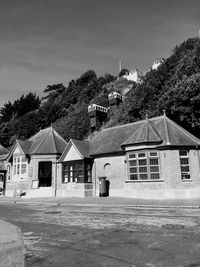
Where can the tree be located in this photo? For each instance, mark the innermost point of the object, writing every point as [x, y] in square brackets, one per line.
[75, 125]
[53, 91]
[182, 103]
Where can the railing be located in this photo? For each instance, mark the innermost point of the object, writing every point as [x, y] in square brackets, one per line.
[97, 107]
[114, 95]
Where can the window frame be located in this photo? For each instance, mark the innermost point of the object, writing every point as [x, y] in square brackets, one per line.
[183, 165]
[140, 167]
[18, 161]
[79, 171]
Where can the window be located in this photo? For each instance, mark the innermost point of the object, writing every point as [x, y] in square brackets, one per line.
[184, 164]
[8, 172]
[19, 167]
[144, 166]
[77, 172]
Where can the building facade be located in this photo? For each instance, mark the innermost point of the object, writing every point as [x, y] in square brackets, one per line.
[32, 165]
[154, 158]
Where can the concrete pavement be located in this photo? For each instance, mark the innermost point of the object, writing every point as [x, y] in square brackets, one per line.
[109, 201]
[11, 246]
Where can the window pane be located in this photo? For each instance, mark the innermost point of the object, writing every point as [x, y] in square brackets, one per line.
[142, 169]
[155, 176]
[18, 168]
[142, 162]
[185, 176]
[143, 176]
[184, 161]
[142, 155]
[153, 154]
[154, 169]
[133, 163]
[23, 168]
[23, 159]
[183, 153]
[132, 156]
[15, 169]
[153, 161]
[133, 170]
[185, 168]
[66, 167]
[133, 177]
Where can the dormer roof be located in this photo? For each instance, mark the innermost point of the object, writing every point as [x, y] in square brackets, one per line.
[82, 147]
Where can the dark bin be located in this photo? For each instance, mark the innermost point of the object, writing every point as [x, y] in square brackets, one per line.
[102, 187]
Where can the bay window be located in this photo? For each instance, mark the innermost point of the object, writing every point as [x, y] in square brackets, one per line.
[144, 165]
[77, 172]
[19, 167]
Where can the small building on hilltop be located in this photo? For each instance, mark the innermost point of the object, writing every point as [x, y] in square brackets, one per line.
[31, 164]
[153, 158]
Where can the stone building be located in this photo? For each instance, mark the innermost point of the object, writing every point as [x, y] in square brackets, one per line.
[31, 164]
[152, 158]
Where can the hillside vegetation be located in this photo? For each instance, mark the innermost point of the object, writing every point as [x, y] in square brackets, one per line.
[173, 87]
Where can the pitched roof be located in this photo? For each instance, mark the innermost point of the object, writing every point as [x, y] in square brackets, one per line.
[81, 146]
[47, 141]
[144, 134]
[3, 150]
[25, 145]
[3, 167]
[159, 130]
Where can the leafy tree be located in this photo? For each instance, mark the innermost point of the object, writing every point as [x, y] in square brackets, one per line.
[53, 91]
[182, 103]
[20, 107]
[76, 125]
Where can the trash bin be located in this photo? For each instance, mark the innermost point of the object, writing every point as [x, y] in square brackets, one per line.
[102, 187]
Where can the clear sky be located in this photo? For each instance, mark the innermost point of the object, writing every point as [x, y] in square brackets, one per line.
[49, 41]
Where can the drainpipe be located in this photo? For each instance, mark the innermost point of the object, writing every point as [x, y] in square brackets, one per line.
[198, 157]
[55, 179]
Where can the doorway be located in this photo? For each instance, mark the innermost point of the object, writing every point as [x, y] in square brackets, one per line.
[2, 183]
[45, 173]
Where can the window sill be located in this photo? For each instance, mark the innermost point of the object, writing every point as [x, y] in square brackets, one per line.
[186, 180]
[144, 181]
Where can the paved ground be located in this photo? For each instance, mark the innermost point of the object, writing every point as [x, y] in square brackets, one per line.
[106, 234]
[195, 203]
[11, 246]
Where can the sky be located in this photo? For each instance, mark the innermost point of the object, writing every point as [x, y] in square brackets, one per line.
[43, 42]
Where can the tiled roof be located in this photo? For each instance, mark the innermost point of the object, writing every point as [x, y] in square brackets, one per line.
[81, 146]
[3, 150]
[47, 141]
[25, 145]
[144, 134]
[160, 130]
[3, 167]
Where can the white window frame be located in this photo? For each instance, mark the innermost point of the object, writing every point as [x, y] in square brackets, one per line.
[140, 167]
[20, 167]
[185, 174]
